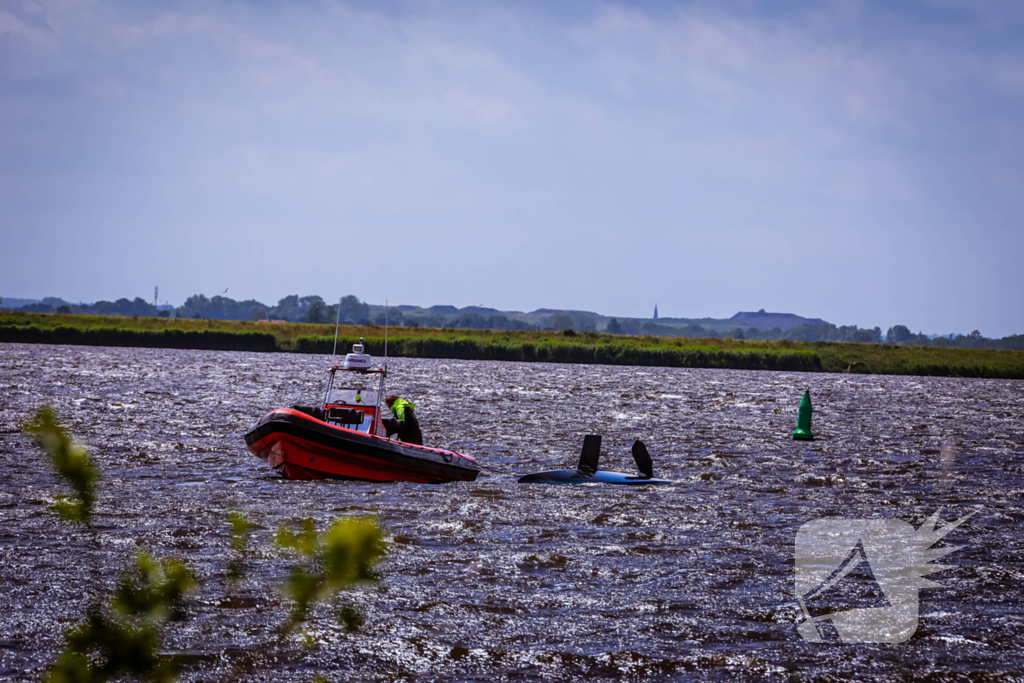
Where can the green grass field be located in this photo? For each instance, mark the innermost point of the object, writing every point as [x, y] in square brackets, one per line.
[556, 347]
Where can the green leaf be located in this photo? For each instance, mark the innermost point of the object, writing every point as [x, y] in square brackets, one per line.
[71, 461]
[345, 554]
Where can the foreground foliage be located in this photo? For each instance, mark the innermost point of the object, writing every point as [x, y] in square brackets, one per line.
[343, 555]
[124, 637]
[72, 463]
[122, 633]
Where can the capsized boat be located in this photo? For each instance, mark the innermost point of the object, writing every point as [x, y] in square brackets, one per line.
[344, 437]
[587, 473]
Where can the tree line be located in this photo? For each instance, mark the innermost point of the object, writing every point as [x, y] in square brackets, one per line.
[351, 311]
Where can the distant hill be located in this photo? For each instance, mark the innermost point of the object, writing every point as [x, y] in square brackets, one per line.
[768, 321]
[746, 325]
[12, 303]
[480, 310]
[51, 301]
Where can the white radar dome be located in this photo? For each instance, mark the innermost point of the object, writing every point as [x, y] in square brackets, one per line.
[357, 360]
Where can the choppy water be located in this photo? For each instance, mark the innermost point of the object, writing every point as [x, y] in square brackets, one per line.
[494, 580]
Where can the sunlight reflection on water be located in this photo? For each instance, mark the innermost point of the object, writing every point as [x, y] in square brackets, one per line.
[491, 579]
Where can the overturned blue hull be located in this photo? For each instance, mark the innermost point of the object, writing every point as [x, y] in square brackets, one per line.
[599, 477]
[587, 472]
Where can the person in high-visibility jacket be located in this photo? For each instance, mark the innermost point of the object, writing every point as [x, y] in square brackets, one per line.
[404, 422]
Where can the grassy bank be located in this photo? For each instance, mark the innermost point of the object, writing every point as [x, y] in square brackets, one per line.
[214, 340]
[513, 346]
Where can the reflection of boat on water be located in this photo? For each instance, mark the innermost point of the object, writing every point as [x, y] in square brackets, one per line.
[344, 437]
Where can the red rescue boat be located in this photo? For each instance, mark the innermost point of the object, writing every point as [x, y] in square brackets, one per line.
[344, 437]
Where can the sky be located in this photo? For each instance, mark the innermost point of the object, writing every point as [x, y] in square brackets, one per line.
[860, 162]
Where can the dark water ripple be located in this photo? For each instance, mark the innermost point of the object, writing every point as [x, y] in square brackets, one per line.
[496, 581]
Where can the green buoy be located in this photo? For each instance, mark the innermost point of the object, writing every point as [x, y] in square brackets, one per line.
[803, 420]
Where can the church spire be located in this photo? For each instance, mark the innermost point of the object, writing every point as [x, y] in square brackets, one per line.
[655, 311]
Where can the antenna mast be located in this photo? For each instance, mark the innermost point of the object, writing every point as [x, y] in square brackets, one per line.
[156, 297]
[336, 322]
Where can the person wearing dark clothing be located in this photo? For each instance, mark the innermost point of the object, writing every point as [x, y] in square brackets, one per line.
[404, 422]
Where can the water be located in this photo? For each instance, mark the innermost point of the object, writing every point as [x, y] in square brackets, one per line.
[494, 580]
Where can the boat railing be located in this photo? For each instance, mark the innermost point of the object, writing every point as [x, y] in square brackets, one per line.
[357, 395]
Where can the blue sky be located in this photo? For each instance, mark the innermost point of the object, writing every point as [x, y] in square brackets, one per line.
[855, 161]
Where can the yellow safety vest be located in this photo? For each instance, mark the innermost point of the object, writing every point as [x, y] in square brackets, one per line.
[400, 406]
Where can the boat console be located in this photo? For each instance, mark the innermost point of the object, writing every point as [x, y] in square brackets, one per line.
[345, 417]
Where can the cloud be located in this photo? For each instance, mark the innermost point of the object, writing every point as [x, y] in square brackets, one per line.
[716, 128]
[12, 28]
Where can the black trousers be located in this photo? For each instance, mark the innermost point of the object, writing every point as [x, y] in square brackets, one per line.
[408, 430]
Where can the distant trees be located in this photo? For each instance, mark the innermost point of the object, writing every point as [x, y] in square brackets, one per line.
[1014, 342]
[630, 326]
[125, 307]
[584, 323]
[36, 308]
[657, 329]
[809, 332]
[296, 309]
[354, 311]
[351, 311]
[805, 333]
[194, 307]
[560, 322]
[469, 321]
[393, 317]
[293, 308]
[696, 331]
[138, 306]
[219, 308]
[565, 321]
[636, 327]
[317, 312]
[475, 321]
[898, 334]
[287, 308]
[432, 320]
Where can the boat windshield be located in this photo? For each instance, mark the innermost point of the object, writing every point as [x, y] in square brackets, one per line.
[353, 396]
[352, 400]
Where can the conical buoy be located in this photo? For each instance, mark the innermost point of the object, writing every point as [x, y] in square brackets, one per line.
[803, 420]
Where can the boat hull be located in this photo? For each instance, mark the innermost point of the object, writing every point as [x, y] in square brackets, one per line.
[303, 447]
[599, 477]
